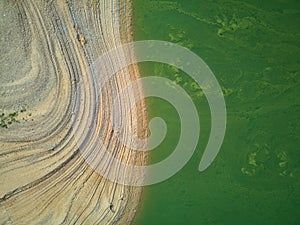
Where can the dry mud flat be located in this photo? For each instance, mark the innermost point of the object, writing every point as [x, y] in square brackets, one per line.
[46, 48]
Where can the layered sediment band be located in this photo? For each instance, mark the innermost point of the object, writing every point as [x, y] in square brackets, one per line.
[48, 49]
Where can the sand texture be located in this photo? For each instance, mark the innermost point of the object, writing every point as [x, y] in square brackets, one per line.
[46, 97]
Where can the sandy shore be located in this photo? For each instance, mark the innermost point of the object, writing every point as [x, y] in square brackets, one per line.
[47, 49]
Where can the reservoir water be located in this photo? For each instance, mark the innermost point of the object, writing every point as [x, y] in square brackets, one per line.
[253, 48]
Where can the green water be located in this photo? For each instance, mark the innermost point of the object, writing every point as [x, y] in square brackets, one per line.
[253, 48]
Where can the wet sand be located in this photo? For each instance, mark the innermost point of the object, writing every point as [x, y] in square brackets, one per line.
[47, 49]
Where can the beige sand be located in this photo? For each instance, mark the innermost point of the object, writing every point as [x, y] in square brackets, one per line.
[47, 47]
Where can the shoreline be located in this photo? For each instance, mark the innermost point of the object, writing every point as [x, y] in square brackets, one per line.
[127, 37]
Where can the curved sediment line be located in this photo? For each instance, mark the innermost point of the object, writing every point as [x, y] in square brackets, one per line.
[43, 177]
